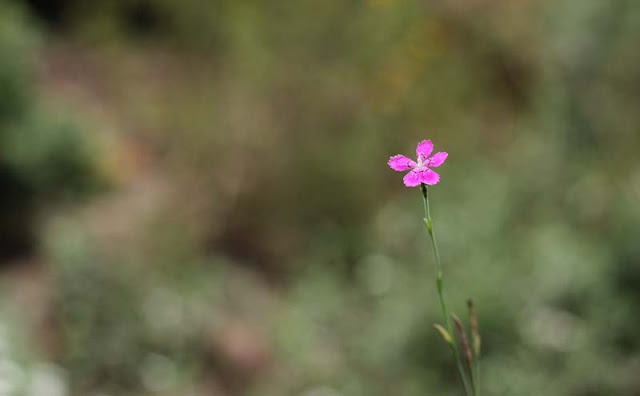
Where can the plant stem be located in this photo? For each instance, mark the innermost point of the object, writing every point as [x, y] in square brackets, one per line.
[476, 376]
[469, 386]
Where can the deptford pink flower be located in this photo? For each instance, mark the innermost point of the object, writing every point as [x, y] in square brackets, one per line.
[419, 170]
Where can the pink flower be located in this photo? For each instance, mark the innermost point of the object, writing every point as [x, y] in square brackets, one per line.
[420, 172]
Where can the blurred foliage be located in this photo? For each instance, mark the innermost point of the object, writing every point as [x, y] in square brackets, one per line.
[42, 156]
[272, 252]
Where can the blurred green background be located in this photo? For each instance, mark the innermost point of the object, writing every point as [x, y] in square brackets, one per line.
[194, 196]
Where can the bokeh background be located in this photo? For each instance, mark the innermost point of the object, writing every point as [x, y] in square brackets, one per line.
[194, 196]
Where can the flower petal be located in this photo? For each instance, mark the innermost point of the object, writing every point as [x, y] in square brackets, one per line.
[424, 148]
[437, 159]
[401, 163]
[429, 177]
[412, 179]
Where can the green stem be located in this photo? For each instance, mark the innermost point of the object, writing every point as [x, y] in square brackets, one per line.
[469, 386]
[476, 376]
